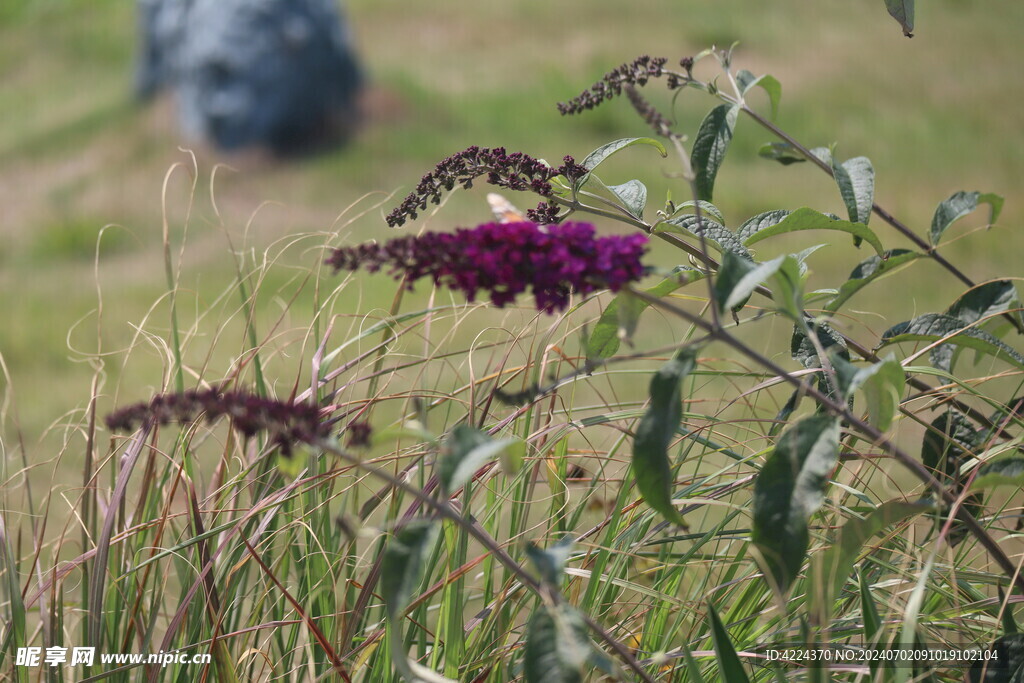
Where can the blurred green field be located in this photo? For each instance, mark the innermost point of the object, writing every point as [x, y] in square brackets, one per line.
[936, 114]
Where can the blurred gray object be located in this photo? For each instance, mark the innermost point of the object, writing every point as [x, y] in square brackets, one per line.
[270, 73]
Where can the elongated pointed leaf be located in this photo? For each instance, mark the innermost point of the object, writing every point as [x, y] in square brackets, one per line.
[729, 664]
[770, 84]
[760, 222]
[710, 146]
[856, 180]
[805, 352]
[837, 562]
[903, 12]
[934, 326]
[782, 152]
[465, 451]
[959, 205]
[624, 312]
[402, 564]
[556, 647]
[633, 195]
[789, 490]
[651, 466]
[598, 156]
[717, 235]
[869, 270]
[809, 219]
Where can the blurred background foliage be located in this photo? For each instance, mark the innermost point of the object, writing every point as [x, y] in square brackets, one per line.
[79, 157]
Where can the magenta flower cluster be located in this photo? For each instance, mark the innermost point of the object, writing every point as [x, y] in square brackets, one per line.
[507, 259]
[286, 423]
[513, 171]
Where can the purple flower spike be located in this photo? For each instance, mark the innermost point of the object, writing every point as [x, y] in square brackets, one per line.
[508, 259]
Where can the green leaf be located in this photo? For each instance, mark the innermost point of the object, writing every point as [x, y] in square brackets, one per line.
[787, 286]
[707, 208]
[869, 270]
[823, 154]
[633, 195]
[836, 565]
[1002, 472]
[760, 222]
[720, 237]
[991, 298]
[903, 12]
[882, 384]
[935, 326]
[738, 278]
[597, 157]
[770, 84]
[657, 427]
[625, 309]
[465, 451]
[556, 647]
[550, 563]
[788, 491]
[782, 152]
[856, 180]
[809, 219]
[729, 664]
[803, 351]
[403, 562]
[710, 146]
[959, 205]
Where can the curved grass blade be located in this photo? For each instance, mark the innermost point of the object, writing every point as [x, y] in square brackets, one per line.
[729, 664]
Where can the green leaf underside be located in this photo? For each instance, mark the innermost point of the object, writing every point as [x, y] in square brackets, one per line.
[717, 235]
[466, 451]
[654, 434]
[761, 221]
[605, 340]
[556, 649]
[935, 326]
[710, 146]
[633, 195]
[869, 270]
[782, 152]
[402, 563]
[769, 84]
[809, 219]
[837, 562]
[856, 180]
[958, 205]
[789, 490]
[595, 158]
[903, 12]
[706, 208]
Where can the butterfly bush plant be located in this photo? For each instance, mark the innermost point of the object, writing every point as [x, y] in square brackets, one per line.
[842, 494]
